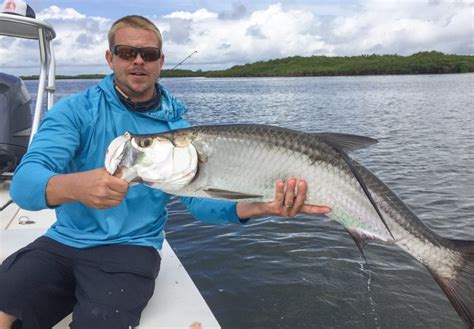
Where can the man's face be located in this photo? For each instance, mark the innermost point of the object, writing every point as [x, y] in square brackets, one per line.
[135, 77]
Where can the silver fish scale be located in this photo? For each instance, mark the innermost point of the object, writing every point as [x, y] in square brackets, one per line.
[278, 153]
[243, 162]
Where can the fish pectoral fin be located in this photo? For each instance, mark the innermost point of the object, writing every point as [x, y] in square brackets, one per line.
[230, 195]
[360, 238]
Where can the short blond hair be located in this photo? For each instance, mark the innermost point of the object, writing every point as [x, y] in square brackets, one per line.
[135, 21]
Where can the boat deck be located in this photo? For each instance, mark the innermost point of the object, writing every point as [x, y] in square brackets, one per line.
[177, 303]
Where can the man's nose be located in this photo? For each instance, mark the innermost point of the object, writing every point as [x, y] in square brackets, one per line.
[138, 59]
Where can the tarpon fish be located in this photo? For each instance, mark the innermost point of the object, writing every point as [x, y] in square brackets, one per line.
[243, 162]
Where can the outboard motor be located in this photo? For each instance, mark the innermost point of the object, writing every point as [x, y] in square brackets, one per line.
[15, 122]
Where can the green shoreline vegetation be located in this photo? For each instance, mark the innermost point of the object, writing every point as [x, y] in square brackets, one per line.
[431, 62]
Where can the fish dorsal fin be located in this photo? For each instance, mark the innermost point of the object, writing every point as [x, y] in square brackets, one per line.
[230, 195]
[346, 142]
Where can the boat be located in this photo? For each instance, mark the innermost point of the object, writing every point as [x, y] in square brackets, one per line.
[177, 303]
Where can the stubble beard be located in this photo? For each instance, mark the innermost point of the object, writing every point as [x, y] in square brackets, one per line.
[137, 92]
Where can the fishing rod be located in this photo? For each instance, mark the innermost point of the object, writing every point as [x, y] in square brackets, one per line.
[184, 60]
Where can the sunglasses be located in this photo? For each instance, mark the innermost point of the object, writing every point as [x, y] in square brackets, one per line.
[129, 53]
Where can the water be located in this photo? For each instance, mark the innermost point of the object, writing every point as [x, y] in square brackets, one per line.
[306, 272]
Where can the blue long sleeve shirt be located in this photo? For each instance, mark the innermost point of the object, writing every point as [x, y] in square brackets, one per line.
[73, 137]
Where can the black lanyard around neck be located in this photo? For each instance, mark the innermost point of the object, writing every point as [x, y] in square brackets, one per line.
[151, 104]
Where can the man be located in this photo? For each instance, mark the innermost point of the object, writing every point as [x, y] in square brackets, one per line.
[100, 259]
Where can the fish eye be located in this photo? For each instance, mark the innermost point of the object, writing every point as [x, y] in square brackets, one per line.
[145, 142]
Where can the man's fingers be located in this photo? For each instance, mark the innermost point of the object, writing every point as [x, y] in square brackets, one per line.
[118, 185]
[290, 193]
[294, 198]
[300, 198]
[302, 189]
[279, 191]
[294, 195]
[114, 195]
[315, 209]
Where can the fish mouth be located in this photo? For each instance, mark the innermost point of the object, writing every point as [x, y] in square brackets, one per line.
[154, 161]
[120, 156]
[164, 165]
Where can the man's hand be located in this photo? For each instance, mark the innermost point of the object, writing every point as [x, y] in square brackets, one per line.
[94, 188]
[289, 201]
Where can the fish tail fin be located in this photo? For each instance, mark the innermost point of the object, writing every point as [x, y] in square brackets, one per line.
[460, 287]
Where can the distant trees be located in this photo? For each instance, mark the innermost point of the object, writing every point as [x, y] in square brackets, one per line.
[426, 62]
[431, 62]
[181, 73]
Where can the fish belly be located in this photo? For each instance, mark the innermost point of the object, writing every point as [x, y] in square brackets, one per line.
[252, 167]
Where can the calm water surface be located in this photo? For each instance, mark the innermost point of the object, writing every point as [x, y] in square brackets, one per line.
[306, 272]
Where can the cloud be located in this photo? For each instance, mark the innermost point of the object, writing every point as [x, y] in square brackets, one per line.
[405, 28]
[374, 26]
[238, 11]
[198, 15]
[178, 31]
[54, 12]
[263, 34]
[255, 32]
[239, 36]
[80, 41]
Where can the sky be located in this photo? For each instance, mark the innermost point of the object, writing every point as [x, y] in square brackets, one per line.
[226, 33]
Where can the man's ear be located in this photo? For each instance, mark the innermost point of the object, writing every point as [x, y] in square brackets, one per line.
[162, 60]
[108, 58]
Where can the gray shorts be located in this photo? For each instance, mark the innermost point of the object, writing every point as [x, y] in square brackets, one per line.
[105, 287]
